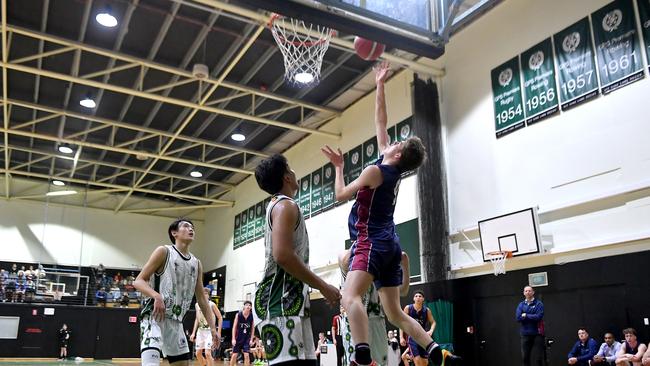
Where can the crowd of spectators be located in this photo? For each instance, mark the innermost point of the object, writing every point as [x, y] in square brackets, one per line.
[19, 285]
[114, 289]
[628, 352]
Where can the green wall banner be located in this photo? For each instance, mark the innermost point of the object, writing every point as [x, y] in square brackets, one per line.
[305, 196]
[327, 190]
[316, 191]
[506, 91]
[644, 14]
[259, 220]
[617, 45]
[244, 229]
[539, 82]
[354, 163]
[404, 129]
[370, 152]
[250, 233]
[236, 235]
[576, 64]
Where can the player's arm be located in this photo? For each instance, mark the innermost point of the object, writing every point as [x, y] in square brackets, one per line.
[284, 217]
[402, 336]
[639, 355]
[235, 328]
[381, 118]
[141, 283]
[370, 177]
[196, 323]
[217, 314]
[432, 321]
[205, 307]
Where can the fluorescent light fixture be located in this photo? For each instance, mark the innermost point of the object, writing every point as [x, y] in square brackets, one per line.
[237, 136]
[60, 193]
[196, 174]
[88, 102]
[58, 183]
[304, 77]
[106, 19]
[65, 149]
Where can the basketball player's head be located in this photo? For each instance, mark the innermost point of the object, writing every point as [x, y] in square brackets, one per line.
[247, 305]
[630, 334]
[206, 291]
[418, 297]
[273, 176]
[181, 230]
[408, 154]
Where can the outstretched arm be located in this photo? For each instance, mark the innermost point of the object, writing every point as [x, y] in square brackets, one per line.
[381, 118]
[370, 177]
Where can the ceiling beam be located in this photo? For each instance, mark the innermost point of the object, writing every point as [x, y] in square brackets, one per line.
[130, 126]
[5, 106]
[194, 111]
[179, 208]
[164, 68]
[115, 186]
[168, 100]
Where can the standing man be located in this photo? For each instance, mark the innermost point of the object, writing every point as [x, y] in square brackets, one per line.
[168, 281]
[530, 315]
[201, 331]
[606, 355]
[337, 336]
[423, 316]
[241, 334]
[583, 350]
[64, 338]
[282, 297]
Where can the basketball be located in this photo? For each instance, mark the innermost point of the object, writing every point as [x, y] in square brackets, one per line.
[367, 49]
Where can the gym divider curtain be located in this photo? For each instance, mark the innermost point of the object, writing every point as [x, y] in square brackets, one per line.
[443, 313]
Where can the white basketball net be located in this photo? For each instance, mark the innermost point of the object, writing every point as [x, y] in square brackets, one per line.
[303, 46]
[498, 260]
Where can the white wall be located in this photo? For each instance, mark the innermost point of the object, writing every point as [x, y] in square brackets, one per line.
[327, 231]
[33, 232]
[593, 150]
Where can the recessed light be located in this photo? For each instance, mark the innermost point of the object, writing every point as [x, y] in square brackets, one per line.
[105, 18]
[88, 103]
[60, 193]
[196, 174]
[58, 183]
[65, 149]
[238, 136]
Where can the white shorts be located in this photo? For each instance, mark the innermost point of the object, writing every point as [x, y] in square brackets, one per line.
[166, 336]
[203, 339]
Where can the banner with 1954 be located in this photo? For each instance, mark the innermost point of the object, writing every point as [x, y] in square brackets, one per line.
[506, 91]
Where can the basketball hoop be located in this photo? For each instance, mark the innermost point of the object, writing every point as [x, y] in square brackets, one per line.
[498, 260]
[303, 46]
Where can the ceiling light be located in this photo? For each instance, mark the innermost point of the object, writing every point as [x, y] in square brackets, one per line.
[65, 149]
[304, 77]
[60, 193]
[88, 102]
[238, 136]
[105, 18]
[58, 183]
[196, 174]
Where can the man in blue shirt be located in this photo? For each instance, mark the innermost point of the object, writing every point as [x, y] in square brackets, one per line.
[584, 350]
[606, 355]
[530, 315]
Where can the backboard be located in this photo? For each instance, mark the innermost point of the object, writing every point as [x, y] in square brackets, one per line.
[517, 232]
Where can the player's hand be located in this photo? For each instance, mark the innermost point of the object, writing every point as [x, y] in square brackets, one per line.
[402, 342]
[335, 157]
[158, 308]
[192, 337]
[332, 294]
[572, 360]
[216, 340]
[598, 358]
[381, 72]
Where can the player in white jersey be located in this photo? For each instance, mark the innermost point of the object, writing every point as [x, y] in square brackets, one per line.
[168, 281]
[376, 317]
[281, 306]
[201, 335]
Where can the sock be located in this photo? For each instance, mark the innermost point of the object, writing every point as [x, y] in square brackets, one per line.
[435, 354]
[362, 354]
[150, 357]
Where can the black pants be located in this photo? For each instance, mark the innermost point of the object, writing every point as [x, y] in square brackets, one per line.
[340, 351]
[532, 347]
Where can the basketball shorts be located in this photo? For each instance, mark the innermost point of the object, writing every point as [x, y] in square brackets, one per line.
[203, 338]
[287, 339]
[166, 336]
[242, 346]
[379, 258]
[416, 350]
